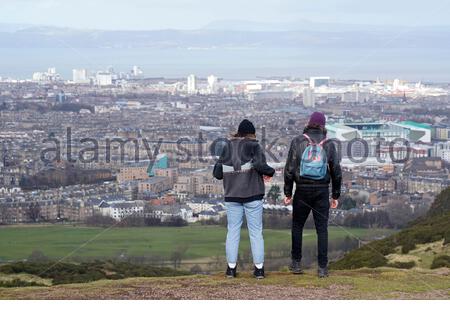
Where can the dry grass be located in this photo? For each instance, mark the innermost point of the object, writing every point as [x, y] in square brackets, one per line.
[384, 283]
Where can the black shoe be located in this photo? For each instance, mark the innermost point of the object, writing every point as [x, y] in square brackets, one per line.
[231, 272]
[259, 273]
[322, 272]
[296, 267]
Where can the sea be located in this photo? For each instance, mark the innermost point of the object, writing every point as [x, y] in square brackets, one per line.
[412, 64]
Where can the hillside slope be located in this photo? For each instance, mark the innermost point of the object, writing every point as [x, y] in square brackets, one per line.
[424, 244]
[381, 283]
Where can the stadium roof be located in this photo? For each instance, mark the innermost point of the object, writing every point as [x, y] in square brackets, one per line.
[416, 124]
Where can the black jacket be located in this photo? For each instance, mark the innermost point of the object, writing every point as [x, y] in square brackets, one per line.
[292, 168]
[241, 166]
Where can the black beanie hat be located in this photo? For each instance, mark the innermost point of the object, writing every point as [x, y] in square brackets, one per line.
[246, 127]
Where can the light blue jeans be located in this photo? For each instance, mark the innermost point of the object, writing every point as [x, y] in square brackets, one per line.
[235, 215]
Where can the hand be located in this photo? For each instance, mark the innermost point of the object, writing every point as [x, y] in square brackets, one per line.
[334, 203]
[287, 201]
[267, 179]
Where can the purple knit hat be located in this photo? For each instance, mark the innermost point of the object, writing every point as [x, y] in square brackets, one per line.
[317, 118]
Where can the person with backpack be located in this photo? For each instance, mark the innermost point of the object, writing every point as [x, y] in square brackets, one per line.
[312, 163]
[243, 168]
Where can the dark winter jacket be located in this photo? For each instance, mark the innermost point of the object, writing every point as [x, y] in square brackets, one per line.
[241, 166]
[292, 168]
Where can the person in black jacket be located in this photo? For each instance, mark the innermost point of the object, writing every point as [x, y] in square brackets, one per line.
[312, 194]
[242, 167]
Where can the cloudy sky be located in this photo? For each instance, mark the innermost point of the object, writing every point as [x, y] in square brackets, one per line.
[192, 14]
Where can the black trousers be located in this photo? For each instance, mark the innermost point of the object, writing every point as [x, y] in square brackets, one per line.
[315, 199]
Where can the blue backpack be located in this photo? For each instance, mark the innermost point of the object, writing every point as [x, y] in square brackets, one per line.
[314, 163]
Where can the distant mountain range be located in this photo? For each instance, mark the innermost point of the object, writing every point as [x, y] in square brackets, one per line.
[230, 34]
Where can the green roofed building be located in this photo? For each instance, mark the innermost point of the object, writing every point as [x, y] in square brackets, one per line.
[388, 131]
[161, 162]
[419, 132]
[417, 124]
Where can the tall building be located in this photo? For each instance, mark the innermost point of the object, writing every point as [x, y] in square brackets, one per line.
[104, 78]
[61, 97]
[48, 76]
[212, 84]
[192, 84]
[51, 71]
[79, 76]
[137, 72]
[308, 97]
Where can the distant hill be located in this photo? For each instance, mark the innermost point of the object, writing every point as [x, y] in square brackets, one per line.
[229, 34]
[424, 244]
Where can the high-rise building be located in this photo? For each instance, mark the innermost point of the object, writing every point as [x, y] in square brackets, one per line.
[61, 97]
[51, 71]
[79, 76]
[192, 84]
[212, 84]
[104, 78]
[137, 72]
[308, 97]
[38, 76]
[48, 76]
[396, 85]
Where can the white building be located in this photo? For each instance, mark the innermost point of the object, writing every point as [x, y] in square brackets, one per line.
[38, 76]
[167, 212]
[137, 72]
[104, 78]
[48, 76]
[119, 210]
[79, 76]
[212, 84]
[198, 207]
[308, 97]
[51, 71]
[442, 150]
[192, 84]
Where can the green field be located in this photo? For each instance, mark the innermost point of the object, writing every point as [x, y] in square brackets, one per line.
[18, 242]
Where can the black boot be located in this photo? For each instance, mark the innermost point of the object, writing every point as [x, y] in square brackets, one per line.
[231, 272]
[296, 267]
[322, 272]
[259, 273]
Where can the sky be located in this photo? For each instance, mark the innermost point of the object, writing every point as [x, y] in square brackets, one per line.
[194, 14]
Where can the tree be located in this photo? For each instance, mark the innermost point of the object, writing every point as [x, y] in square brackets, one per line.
[5, 215]
[274, 194]
[178, 254]
[34, 212]
[98, 220]
[399, 213]
[347, 203]
[37, 256]
[175, 222]
[196, 269]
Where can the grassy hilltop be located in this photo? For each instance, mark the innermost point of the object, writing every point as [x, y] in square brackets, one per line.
[411, 264]
[380, 283]
[424, 244]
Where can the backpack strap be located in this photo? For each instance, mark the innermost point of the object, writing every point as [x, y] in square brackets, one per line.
[309, 139]
[321, 143]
